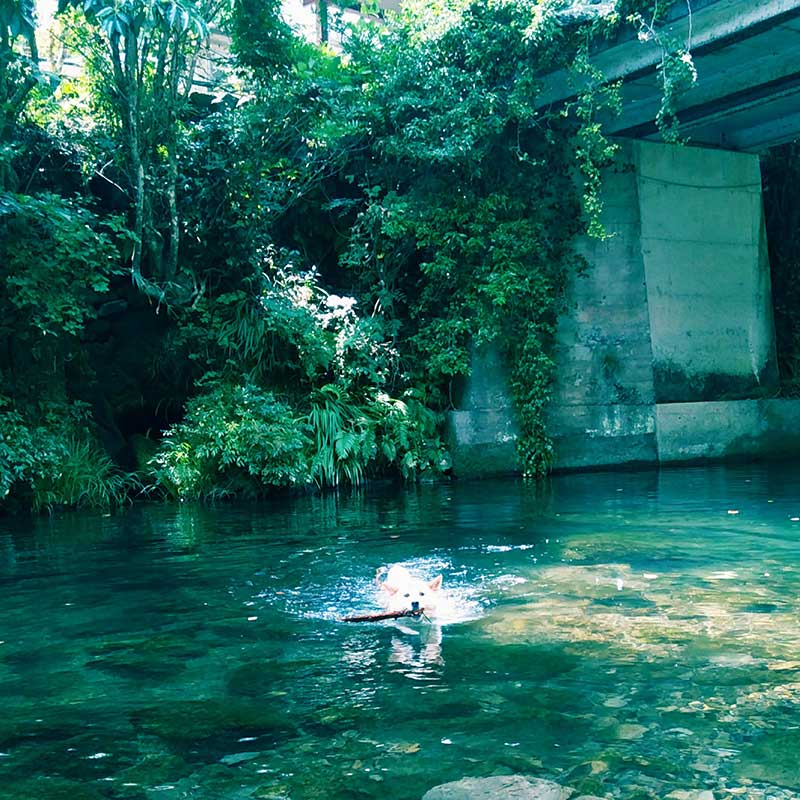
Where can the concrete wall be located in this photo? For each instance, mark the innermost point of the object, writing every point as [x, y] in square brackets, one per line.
[704, 254]
[672, 319]
[482, 433]
[728, 429]
[603, 409]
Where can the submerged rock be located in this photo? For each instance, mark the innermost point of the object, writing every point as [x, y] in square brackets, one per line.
[499, 787]
[162, 656]
[772, 759]
[191, 722]
[628, 731]
[239, 758]
[155, 768]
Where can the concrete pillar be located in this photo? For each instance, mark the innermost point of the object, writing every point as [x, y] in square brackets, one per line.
[707, 274]
[482, 432]
[603, 408]
[666, 340]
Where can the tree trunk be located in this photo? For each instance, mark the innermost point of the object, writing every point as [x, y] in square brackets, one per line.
[323, 21]
[13, 96]
[171, 261]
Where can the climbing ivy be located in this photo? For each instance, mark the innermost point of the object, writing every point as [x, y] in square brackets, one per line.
[472, 195]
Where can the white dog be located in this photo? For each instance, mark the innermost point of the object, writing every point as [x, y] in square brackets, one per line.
[402, 591]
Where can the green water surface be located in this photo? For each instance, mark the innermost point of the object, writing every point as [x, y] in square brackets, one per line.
[631, 635]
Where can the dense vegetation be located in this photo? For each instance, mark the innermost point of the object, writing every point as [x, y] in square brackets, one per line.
[273, 281]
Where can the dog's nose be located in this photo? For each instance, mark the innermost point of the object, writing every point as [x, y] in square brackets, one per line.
[415, 605]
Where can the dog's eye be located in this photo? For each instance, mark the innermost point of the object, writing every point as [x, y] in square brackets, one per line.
[422, 594]
[406, 595]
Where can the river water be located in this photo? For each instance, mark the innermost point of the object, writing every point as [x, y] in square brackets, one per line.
[629, 635]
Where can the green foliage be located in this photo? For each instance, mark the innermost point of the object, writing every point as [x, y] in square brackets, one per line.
[470, 208]
[593, 150]
[337, 425]
[676, 69]
[143, 55]
[262, 41]
[237, 438]
[55, 462]
[344, 437]
[408, 437]
[19, 73]
[282, 325]
[54, 262]
[234, 438]
[321, 252]
[351, 439]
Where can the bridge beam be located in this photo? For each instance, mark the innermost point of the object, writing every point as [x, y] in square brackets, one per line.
[748, 86]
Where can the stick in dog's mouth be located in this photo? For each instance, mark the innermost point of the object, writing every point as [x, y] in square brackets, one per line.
[415, 612]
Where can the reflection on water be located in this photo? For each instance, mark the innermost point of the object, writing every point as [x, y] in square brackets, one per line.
[417, 654]
[630, 635]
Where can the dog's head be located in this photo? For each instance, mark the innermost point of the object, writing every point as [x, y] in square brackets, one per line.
[402, 595]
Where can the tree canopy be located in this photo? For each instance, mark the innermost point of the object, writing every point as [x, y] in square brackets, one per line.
[226, 270]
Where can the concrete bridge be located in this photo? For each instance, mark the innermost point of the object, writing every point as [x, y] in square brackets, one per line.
[747, 55]
[666, 350]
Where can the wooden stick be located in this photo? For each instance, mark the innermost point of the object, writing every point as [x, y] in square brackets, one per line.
[387, 615]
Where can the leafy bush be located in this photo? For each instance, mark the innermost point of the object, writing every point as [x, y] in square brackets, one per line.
[239, 438]
[344, 437]
[234, 438]
[54, 262]
[409, 437]
[437, 202]
[56, 462]
[281, 325]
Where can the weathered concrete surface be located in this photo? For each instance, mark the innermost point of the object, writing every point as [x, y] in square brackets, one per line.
[745, 52]
[672, 317]
[482, 433]
[706, 271]
[727, 429]
[603, 407]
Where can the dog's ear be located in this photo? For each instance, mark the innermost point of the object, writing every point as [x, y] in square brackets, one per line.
[390, 589]
[436, 584]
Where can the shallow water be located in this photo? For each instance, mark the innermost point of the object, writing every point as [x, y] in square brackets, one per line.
[632, 635]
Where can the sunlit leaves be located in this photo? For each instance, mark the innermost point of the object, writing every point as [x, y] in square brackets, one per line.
[135, 17]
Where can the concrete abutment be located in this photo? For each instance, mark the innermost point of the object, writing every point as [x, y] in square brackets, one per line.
[666, 349]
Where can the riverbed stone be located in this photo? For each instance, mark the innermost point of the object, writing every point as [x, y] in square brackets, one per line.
[252, 680]
[192, 721]
[499, 787]
[51, 788]
[772, 759]
[233, 759]
[628, 731]
[155, 768]
[162, 656]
